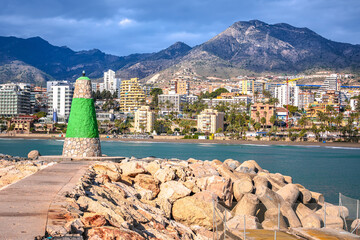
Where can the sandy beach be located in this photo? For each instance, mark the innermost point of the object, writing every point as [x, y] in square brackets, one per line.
[255, 142]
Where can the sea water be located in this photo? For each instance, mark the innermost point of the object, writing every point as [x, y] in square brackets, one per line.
[329, 170]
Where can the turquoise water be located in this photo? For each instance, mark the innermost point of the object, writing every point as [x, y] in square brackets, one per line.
[327, 170]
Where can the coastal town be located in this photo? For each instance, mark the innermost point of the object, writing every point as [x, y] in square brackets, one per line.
[323, 106]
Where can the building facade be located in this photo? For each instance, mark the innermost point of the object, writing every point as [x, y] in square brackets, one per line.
[21, 124]
[287, 95]
[49, 84]
[305, 98]
[144, 120]
[171, 102]
[14, 100]
[264, 110]
[179, 86]
[331, 83]
[111, 83]
[246, 86]
[60, 98]
[210, 120]
[131, 95]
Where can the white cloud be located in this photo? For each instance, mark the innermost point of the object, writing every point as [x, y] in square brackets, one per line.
[126, 22]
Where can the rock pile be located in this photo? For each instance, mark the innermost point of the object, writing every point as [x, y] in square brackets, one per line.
[13, 169]
[173, 199]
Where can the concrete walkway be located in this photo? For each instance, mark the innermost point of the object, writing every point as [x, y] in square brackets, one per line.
[24, 205]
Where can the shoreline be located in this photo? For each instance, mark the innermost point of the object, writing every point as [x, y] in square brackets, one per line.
[202, 141]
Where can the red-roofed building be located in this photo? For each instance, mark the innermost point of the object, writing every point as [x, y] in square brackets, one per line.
[21, 124]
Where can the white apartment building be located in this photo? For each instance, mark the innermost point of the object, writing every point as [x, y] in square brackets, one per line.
[111, 83]
[14, 99]
[171, 102]
[97, 86]
[49, 84]
[287, 95]
[144, 120]
[210, 120]
[331, 83]
[60, 98]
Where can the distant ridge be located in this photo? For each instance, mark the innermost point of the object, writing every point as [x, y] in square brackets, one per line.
[245, 46]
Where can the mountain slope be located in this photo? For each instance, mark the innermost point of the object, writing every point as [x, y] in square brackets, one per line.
[155, 62]
[60, 62]
[244, 47]
[258, 46]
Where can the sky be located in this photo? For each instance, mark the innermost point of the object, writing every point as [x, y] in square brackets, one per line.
[123, 27]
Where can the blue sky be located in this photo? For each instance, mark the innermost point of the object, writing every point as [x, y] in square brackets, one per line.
[122, 27]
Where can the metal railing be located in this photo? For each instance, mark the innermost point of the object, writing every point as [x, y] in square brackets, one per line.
[351, 222]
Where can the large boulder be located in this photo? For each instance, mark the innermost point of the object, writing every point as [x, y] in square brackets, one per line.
[200, 169]
[289, 193]
[249, 166]
[110, 214]
[307, 217]
[173, 191]
[273, 200]
[220, 186]
[110, 233]
[93, 220]
[233, 164]
[237, 223]
[152, 167]
[132, 168]
[34, 154]
[147, 182]
[355, 225]
[165, 174]
[247, 205]
[196, 210]
[108, 169]
[242, 186]
[273, 220]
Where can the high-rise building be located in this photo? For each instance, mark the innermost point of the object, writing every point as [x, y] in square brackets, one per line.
[331, 83]
[14, 99]
[246, 86]
[49, 84]
[131, 95]
[60, 97]
[144, 119]
[287, 94]
[210, 120]
[111, 83]
[179, 86]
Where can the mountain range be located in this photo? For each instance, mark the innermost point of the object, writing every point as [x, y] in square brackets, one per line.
[246, 46]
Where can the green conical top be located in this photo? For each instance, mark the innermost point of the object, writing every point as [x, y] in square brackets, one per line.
[83, 78]
[82, 119]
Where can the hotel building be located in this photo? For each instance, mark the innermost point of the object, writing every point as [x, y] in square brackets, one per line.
[131, 95]
[210, 120]
[144, 120]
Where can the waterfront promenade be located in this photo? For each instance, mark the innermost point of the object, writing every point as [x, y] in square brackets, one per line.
[24, 205]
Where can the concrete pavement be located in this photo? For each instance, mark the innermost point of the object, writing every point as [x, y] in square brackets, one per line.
[24, 205]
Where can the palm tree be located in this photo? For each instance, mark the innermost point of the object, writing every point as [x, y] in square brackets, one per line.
[257, 126]
[303, 121]
[258, 116]
[263, 121]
